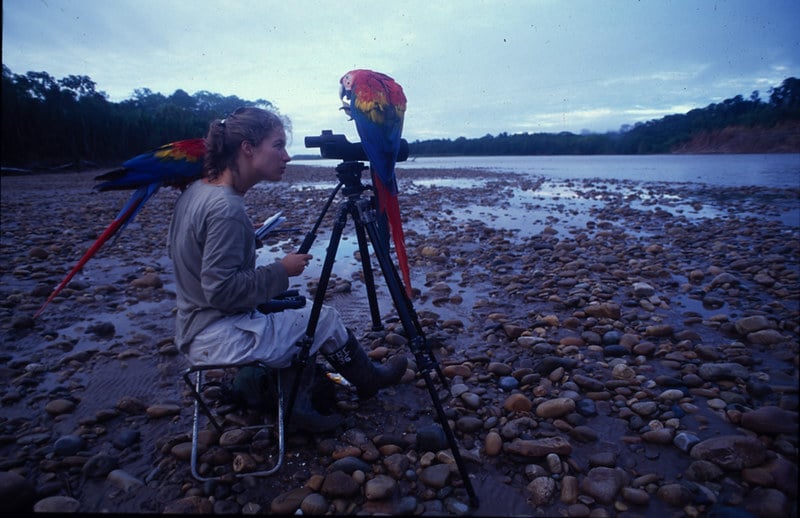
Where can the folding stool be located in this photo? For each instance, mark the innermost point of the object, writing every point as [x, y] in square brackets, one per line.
[196, 388]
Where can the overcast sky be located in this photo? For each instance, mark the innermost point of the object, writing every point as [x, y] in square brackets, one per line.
[468, 67]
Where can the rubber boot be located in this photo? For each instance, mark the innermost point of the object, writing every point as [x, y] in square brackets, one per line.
[304, 416]
[352, 362]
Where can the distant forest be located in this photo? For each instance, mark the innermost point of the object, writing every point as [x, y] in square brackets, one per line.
[49, 122]
[655, 136]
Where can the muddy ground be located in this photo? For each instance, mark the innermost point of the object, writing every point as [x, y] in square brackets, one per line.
[527, 289]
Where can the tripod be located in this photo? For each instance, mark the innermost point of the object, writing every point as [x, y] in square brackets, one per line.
[362, 211]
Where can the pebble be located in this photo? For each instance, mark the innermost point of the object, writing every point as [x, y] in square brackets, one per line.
[542, 490]
[603, 483]
[127, 438]
[469, 424]
[436, 476]
[431, 438]
[288, 502]
[555, 407]
[380, 487]
[493, 444]
[508, 383]
[56, 505]
[499, 369]
[163, 410]
[470, 399]
[731, 452]
[771, 420]
[517, 403]
[68, 445]
[59, 406]
[684, 441]
[349, 465]
[314, 504]
[339, 485]
[539, 448]
[569, 489]
[149, 280]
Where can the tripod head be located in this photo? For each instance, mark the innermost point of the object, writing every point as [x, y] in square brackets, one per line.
[349, 174]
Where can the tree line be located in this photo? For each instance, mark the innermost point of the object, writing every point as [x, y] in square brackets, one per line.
[651, 137]
[48, 122]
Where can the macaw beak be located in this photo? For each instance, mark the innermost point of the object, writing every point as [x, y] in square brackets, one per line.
[345, 94]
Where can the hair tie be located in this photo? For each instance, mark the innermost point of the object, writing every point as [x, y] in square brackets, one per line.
[222, 123]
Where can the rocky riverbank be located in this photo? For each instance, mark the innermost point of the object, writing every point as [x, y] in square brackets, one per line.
[613, 348]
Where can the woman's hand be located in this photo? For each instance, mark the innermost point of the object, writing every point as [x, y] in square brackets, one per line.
[295, 263]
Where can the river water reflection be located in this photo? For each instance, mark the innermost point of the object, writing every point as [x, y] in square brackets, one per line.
[773, 170]
[767, 170]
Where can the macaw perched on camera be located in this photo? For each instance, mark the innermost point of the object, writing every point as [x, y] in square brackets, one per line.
[377, 104]
[176, 164]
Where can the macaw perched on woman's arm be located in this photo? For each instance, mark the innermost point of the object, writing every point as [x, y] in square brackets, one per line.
[377, 104]
[176, 164]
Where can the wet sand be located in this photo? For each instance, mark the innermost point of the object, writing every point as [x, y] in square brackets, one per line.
[612, 347]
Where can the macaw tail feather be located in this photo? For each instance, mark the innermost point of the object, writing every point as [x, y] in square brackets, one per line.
[389, 206]
[123, 218]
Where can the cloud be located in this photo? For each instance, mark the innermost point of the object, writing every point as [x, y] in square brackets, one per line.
[468, 68]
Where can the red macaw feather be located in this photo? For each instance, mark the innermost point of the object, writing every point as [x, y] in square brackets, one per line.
[119, 221]
[390, 206]
[176, 164]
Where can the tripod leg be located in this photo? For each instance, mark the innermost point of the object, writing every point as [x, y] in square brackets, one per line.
[316, 308]
[369, 276]
[365, 217]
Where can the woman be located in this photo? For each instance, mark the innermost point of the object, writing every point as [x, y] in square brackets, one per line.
[212, 246]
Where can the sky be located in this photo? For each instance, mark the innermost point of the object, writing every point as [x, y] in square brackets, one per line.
[468, 67]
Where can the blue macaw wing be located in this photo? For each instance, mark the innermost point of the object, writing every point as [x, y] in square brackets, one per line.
[176, 164]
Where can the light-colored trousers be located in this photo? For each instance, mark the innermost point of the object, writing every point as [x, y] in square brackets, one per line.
[271, 338]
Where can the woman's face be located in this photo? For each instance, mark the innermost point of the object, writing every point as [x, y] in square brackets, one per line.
[269, 158]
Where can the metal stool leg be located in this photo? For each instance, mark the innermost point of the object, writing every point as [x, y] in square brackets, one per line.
[195, 388]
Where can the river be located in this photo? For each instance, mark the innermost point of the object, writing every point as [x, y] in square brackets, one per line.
[772, 170]
[565, 177]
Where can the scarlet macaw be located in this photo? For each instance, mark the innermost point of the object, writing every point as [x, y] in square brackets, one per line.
[377, 104]
[176, 164]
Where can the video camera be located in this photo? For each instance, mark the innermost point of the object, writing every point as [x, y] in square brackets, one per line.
[338, 147]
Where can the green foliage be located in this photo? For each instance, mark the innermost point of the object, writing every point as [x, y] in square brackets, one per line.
[655, 136]
[51, 122]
